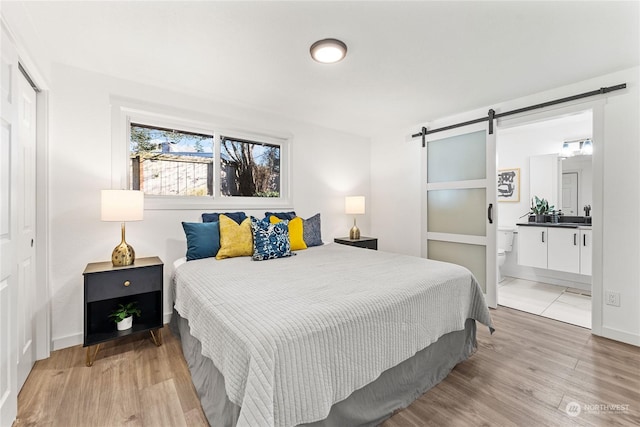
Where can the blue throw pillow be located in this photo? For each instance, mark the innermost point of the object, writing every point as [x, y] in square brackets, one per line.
[270, 241]
[203, 239]
[215, 217]
[311, 231]
[281, 215]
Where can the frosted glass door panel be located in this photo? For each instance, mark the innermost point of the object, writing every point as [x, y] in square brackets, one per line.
[457, 211]
[473, 257]
[458, 158]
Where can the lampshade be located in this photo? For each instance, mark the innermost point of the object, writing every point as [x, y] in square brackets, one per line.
[354, 205]
[122, 205]
[328, 51]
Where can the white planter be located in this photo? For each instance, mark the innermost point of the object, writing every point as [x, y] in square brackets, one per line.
[125, 323]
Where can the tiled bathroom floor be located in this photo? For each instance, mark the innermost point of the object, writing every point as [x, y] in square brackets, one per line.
[555, 302]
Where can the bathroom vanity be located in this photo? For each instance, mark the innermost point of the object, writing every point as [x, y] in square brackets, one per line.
[556, 246]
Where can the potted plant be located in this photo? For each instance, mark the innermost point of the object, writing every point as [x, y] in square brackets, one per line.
[540, 208]
[123, 315]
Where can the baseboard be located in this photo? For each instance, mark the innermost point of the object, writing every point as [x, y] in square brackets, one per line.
[166, 317]
[622, 336]
[67, 341]
[525, 275]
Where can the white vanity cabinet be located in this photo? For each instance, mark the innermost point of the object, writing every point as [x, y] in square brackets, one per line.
[555, 248]
[532, 246]
[564, 249]
[586, 252]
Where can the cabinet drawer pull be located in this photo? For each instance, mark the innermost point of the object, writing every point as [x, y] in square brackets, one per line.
[126, 283]
[575, 236]
[543, 237]
[584, 240]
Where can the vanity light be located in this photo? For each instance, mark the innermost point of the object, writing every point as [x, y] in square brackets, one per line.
[577, 147]
[328, 51]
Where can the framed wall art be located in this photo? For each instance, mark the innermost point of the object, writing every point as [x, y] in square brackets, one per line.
[509, 185]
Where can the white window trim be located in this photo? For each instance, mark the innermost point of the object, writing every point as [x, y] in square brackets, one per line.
[125, 111]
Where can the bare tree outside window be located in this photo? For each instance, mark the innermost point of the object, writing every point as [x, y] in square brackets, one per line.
[249, 168]
[170, 162]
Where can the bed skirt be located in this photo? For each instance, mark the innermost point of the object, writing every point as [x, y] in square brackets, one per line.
[394, 389]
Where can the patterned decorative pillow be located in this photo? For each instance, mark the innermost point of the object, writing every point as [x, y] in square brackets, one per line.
[203, 239]
[270, 241]
[281, 215]
[295, 232]
[312, 232]
[238, 217]
[235, 239]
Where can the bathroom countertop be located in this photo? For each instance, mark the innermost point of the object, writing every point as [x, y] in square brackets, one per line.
[580, 225]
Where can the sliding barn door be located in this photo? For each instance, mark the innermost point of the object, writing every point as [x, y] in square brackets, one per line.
[461, 211]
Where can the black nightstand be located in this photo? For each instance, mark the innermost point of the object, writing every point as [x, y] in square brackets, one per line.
[106, 286]
[362, 242]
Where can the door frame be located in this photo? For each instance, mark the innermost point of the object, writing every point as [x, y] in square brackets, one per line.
[43, 314]
[597, 110]
[490, 241]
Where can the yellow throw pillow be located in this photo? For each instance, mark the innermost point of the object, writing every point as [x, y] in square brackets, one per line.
[296, 232]
[235, 239]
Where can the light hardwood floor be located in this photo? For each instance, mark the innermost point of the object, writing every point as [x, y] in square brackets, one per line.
[524, 375]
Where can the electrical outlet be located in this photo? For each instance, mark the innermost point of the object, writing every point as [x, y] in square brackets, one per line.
[612, 298]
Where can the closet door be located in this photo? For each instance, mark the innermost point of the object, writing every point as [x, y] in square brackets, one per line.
[26, 228]
[8, 229]
[461, 211]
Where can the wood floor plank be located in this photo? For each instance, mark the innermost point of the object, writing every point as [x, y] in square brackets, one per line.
[162, 406]
[525, 374]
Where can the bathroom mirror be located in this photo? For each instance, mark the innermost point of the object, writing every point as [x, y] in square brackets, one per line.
[545, 173]
[566, 182]
[576, 184]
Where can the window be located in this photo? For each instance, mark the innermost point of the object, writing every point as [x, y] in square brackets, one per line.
[249, 168]
[181, 163]
[169, 162]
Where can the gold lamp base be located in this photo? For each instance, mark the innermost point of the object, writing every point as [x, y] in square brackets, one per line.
[123, 254]
[354, 233]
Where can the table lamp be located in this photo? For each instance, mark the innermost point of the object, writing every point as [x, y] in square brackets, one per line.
[122, 206]
[354, 205]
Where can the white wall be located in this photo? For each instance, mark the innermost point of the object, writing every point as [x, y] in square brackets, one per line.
[395, 188]
[327, 165]
[620, 233]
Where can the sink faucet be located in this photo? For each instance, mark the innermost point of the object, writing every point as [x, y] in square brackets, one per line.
[587, 210]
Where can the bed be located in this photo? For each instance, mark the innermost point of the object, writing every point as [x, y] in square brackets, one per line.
[334, 335]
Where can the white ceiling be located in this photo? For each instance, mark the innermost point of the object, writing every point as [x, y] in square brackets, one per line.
[407, 62]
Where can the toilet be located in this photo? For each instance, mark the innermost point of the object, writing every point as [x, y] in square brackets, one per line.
[505, 244]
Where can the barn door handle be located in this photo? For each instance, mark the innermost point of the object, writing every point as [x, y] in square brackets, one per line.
[490, 213]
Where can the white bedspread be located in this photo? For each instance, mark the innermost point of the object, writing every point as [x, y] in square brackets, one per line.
[293, 336]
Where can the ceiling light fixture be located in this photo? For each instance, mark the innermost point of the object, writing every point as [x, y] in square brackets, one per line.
[328, 51]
